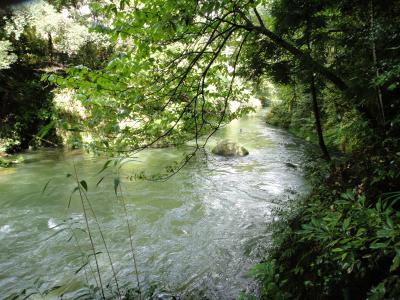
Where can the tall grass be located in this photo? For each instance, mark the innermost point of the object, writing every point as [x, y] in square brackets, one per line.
[89, 231]
[87, 208]
[130, 235]
[88, 213]
[105, 244]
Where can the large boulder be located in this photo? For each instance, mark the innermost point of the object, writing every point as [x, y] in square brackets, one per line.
[229, 148]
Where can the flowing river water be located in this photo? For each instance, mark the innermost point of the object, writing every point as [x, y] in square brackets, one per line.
[195, 235]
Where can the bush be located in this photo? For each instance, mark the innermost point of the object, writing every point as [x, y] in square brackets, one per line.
[335, 247]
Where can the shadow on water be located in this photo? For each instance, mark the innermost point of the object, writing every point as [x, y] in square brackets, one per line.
[195, 235]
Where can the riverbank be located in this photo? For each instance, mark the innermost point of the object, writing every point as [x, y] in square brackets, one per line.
[342, 241]
[7, 161]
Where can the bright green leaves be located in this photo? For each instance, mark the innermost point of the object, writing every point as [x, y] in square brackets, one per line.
[350, 230]
[170, 77]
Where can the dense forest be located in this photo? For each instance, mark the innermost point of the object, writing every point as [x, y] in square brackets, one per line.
[118, 77]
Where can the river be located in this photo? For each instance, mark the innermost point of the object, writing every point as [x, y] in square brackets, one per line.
[195, 235]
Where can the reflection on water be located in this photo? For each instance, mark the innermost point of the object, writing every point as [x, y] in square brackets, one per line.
[195, 234]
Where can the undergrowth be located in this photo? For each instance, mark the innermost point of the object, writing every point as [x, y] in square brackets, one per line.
[343, 240]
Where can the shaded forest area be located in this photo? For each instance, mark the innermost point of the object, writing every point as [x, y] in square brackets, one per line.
[39, 38]
[134, 74]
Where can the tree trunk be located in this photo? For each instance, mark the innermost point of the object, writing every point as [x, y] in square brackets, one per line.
[317, 116]
[50, 46]
[375, 61]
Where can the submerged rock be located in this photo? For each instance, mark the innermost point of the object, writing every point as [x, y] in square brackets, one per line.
[290, 165]
[229, 148]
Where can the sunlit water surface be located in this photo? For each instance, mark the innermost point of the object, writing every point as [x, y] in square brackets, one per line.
[195, 235]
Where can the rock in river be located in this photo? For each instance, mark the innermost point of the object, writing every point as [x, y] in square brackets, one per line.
[290, 165]
[229, 148]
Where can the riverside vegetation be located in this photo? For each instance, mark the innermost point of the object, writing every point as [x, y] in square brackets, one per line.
[342, 241]
[123, 76]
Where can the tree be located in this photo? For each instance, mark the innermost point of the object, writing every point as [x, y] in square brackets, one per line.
[167, 80]
[339, 34]
[35, 39]
[180, 53]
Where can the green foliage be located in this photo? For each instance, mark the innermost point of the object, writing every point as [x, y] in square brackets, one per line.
[342, 241]
[272, 287]
[349, 228]
[170, 79]
[36, 39]
[139, 74]
[339, 246]
[278, 116]
[5, 164]
[62, 32]
[25, 110]
[346, 130]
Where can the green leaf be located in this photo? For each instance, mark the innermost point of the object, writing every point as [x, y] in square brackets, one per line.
[392, 87]
[70, 196]
[389, 221]
[337, 250]
[105, 166]
[80, 268]
[384, 233]
[45, 186]
[116, 184]
[396, 262]
[45, 129]
[360, 231]
[84, 185]
[379, 245]
[346, 224]
[98, 182]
